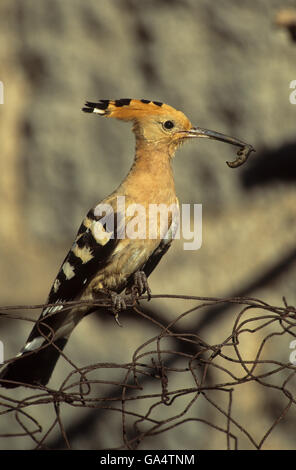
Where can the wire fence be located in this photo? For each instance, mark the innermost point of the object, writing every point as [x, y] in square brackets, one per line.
[146, 394]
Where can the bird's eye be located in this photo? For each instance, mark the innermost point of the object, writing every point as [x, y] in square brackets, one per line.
[168, 124]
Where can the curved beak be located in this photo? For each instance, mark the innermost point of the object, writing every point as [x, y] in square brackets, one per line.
[206, 133]
[243, 153]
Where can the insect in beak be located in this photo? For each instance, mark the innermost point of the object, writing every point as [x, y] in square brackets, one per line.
[243, 153]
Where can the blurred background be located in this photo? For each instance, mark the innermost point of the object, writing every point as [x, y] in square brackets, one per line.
[228, 65]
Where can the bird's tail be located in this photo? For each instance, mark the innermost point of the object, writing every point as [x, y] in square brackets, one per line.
[35, 363]
[32, 367]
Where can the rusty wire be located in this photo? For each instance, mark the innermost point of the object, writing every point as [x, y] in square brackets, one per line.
[217, 373]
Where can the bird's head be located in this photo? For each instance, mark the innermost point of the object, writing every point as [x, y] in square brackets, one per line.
[155, 122]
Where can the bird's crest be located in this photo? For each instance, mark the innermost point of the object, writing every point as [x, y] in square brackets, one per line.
[127, 109]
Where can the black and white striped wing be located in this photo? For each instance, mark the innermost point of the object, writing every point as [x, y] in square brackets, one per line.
[89, 253]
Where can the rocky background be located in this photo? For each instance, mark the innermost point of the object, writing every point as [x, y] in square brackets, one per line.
[228, 65]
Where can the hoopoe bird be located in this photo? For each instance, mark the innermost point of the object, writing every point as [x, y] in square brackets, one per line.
[101, 263]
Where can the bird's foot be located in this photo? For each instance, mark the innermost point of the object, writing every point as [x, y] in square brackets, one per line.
[140, 284]
[118, 301]
[118, 304]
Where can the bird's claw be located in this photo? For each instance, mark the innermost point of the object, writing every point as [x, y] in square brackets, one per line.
[118, 304]
[118, 301]
[141, 284]
[116, 317]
